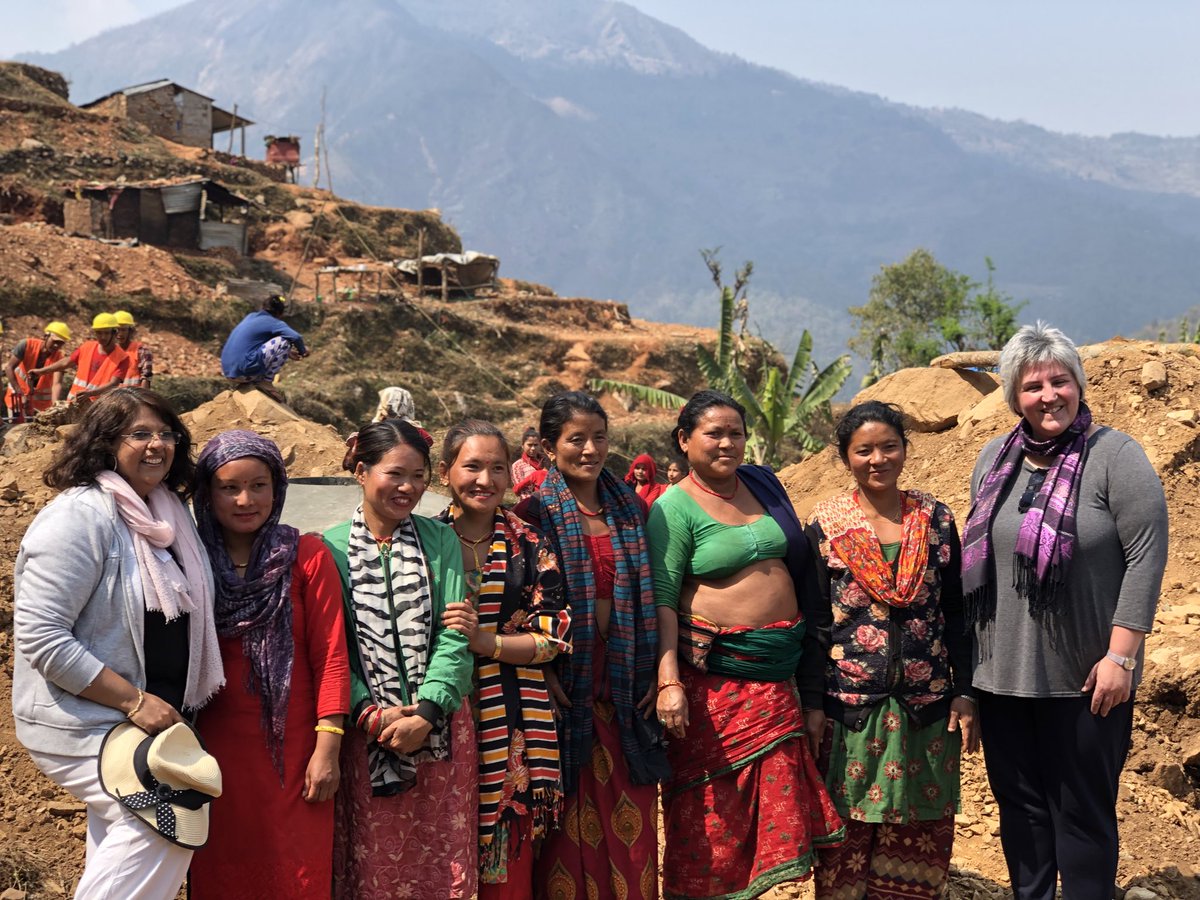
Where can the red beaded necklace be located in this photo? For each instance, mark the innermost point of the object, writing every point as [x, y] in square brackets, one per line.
[736, 484]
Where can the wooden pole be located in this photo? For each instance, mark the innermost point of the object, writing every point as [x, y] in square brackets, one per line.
[420, 267]
[328, 168]
[445, 283]
[317, 141]
[232, 128]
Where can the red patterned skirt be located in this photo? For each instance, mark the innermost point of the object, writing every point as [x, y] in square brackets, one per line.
[421, 844]
[606, 847]
[745, 805]
[888, 862]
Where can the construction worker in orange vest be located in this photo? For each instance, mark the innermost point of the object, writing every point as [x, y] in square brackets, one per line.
[100, 365]
[141, 360]
[27, 396]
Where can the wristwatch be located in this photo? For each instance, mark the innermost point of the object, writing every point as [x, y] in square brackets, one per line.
[1128, 663]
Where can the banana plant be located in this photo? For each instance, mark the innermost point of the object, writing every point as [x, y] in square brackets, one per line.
[783, 406]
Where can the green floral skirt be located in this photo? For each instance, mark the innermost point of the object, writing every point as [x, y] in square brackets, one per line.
[893, 771]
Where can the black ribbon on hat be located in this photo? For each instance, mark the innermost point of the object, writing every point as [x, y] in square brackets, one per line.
[160, 796]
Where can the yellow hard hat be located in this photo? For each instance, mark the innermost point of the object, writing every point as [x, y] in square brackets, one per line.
[59, 329]
[103, 321]
[124, 318]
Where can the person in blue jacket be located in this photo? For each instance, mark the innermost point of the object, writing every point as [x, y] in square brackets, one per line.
[260, 344]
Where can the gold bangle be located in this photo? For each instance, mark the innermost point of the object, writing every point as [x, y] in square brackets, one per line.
[330, 729]
[138, 708]
[499, 647]
[671, 683]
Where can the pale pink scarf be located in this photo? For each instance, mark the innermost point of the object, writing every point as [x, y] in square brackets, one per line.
[169, 587]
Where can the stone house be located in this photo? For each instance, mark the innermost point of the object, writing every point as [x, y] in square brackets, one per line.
[173, 112]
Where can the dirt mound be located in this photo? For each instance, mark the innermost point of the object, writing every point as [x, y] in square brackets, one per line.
[43, 256]
[1149, 391]
[309, 450]
[936, 397]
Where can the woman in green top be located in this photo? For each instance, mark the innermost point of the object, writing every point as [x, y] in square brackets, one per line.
[406, 810]
[745, 804]
[898, 678]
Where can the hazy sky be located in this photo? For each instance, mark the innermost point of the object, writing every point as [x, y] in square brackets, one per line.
[1089, 66]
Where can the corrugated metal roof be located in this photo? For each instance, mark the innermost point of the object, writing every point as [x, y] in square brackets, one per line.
[219, 191]
[144, 88]
[223, 120]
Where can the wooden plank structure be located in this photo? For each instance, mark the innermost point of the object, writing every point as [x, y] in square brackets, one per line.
[362, 277]
[460, 272]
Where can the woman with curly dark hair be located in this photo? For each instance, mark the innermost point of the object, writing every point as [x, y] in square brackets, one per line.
[113, 620]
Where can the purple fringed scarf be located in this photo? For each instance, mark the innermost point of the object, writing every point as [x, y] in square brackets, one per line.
[258, 608]
[1046, 540]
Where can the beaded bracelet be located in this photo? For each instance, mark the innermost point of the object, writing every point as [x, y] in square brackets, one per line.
[330, 729]
[670, 683]
[133, 712]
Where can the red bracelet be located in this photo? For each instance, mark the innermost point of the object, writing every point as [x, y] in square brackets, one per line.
[364, 718]
[377, 728]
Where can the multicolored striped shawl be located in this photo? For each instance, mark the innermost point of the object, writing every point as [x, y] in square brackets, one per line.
[521, 592]
[632, 629]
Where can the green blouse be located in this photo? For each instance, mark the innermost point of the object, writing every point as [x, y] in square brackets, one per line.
[687, 541]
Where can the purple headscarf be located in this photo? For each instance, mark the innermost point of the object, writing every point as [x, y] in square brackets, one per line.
[258, 608]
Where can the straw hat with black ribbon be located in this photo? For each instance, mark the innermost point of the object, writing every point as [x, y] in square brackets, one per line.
[167, 780]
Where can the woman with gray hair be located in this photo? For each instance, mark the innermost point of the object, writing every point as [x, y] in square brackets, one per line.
[1063, 556]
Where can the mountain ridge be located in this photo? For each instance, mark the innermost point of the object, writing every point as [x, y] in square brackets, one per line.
[598, 150]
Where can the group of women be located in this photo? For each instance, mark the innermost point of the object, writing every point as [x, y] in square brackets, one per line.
[489, 701]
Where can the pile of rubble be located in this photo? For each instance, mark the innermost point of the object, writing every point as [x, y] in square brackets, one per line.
[309, 450]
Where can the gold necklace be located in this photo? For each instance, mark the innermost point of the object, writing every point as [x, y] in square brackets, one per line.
[474, 546]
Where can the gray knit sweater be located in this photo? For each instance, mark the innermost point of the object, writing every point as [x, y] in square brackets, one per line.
[1114, 579]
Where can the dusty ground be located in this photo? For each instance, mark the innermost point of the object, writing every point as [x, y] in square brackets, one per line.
[37, 255]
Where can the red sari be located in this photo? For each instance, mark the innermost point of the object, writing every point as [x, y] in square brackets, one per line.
[745, 806]
[607, 845]
[265, 840]
[651, 490]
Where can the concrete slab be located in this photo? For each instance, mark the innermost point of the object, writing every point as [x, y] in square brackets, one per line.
[314, 504]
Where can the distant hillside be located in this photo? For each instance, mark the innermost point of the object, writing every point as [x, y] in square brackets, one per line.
[1137, 162]
[596, 149]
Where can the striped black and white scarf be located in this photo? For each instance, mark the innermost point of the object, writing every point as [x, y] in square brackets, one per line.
[394, 639]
